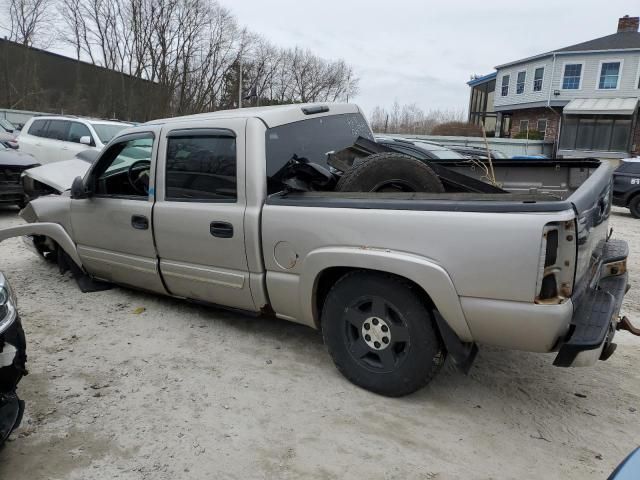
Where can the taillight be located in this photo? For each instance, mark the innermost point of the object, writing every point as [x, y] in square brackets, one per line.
[557, 263]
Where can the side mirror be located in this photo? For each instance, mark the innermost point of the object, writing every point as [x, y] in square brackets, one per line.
[86, 140]
[78, 190]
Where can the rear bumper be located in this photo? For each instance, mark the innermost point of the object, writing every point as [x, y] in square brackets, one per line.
[596, 311]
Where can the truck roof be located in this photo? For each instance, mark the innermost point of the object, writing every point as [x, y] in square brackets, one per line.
[272, 116]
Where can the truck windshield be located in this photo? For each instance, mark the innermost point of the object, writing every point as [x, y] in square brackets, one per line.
[313, 139]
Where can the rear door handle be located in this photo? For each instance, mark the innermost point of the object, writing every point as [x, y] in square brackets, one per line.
[221, 229]
[139, 222]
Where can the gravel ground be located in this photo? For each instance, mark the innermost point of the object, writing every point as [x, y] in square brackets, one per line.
[128, 385]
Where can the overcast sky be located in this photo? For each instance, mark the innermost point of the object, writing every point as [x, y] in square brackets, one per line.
[425, 51]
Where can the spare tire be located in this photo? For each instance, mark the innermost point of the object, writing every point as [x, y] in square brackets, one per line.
[389, 172]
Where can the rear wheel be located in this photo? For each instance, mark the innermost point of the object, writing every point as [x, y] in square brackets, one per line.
[634, 206]
[380, 334]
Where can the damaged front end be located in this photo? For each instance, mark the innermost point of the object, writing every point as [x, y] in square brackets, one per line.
[13, 359]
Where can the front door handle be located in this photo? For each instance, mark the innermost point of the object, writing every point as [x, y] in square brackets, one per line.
[139, 222]
[221, 229]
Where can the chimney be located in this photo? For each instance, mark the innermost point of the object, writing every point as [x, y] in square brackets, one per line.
[628, 24]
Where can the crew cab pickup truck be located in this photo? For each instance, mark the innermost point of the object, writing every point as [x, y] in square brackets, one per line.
[192, 207]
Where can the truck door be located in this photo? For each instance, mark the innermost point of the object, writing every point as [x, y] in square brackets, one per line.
[112, 228]
[199, 212]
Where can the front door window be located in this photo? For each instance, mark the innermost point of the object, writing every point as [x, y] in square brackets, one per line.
[123, 171]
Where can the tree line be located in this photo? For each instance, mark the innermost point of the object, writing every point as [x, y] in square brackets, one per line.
[410, 119]
[195, 49]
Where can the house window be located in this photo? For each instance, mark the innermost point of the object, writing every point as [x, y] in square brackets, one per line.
[505, 85]
[572, 76]
[542, 126]
[609, 75]
[522, 76]
[600, 133]
[524, 126]
[537, 79]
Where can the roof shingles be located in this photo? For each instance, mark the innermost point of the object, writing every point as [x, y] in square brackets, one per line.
[616, 41]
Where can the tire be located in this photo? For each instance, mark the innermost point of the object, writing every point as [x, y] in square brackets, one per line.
[634, 206]
[387, 307]
[389, 172]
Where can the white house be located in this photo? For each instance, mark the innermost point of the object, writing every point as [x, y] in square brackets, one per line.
[583, 97]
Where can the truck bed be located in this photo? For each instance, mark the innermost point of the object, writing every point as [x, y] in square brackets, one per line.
[489, 244]
[556, 178]
[532, 186]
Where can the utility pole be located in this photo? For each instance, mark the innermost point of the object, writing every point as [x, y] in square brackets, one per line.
[348, 86]
[240, 84]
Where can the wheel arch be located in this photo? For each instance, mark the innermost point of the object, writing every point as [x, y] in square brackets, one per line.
[51, 230]
[630, 196]
[322, 268]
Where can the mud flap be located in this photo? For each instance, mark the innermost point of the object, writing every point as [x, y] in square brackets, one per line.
[463, 354]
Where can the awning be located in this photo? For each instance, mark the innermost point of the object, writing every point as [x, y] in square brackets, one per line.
[601, 106]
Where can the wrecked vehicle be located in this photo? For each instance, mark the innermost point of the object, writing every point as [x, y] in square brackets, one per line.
[295, 211]
[55, 178]
[12, 164]
[13, 359]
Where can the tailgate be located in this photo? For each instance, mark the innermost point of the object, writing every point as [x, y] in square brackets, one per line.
[592, 202]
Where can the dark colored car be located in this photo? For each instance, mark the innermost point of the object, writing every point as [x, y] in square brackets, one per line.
[626, 186]
[13, 360]
[477, 153]
[12, 164]
[420, 149]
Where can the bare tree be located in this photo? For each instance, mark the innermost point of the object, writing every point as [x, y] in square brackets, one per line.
[193, 49]
[30, 22]
[411, 119]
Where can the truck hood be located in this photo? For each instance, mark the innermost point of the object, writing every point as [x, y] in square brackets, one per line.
[59, 175]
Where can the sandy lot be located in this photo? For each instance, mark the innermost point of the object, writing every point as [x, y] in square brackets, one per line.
[182, 391]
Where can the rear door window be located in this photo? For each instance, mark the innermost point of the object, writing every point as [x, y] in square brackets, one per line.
[38, 128]
[58, 129]
[201, 168]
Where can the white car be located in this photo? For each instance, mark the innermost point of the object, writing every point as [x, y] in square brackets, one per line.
[57, 138]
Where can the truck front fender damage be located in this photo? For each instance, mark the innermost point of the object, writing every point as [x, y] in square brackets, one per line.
[51, 230]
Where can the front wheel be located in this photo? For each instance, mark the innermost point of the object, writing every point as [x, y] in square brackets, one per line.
[380, 334]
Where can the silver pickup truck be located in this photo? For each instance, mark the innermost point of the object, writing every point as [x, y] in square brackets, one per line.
[192, 207]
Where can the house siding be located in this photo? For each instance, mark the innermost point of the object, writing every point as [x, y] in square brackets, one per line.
[528, 96]
[628, 86]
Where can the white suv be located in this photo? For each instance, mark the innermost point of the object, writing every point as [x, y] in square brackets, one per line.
[56, 138]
